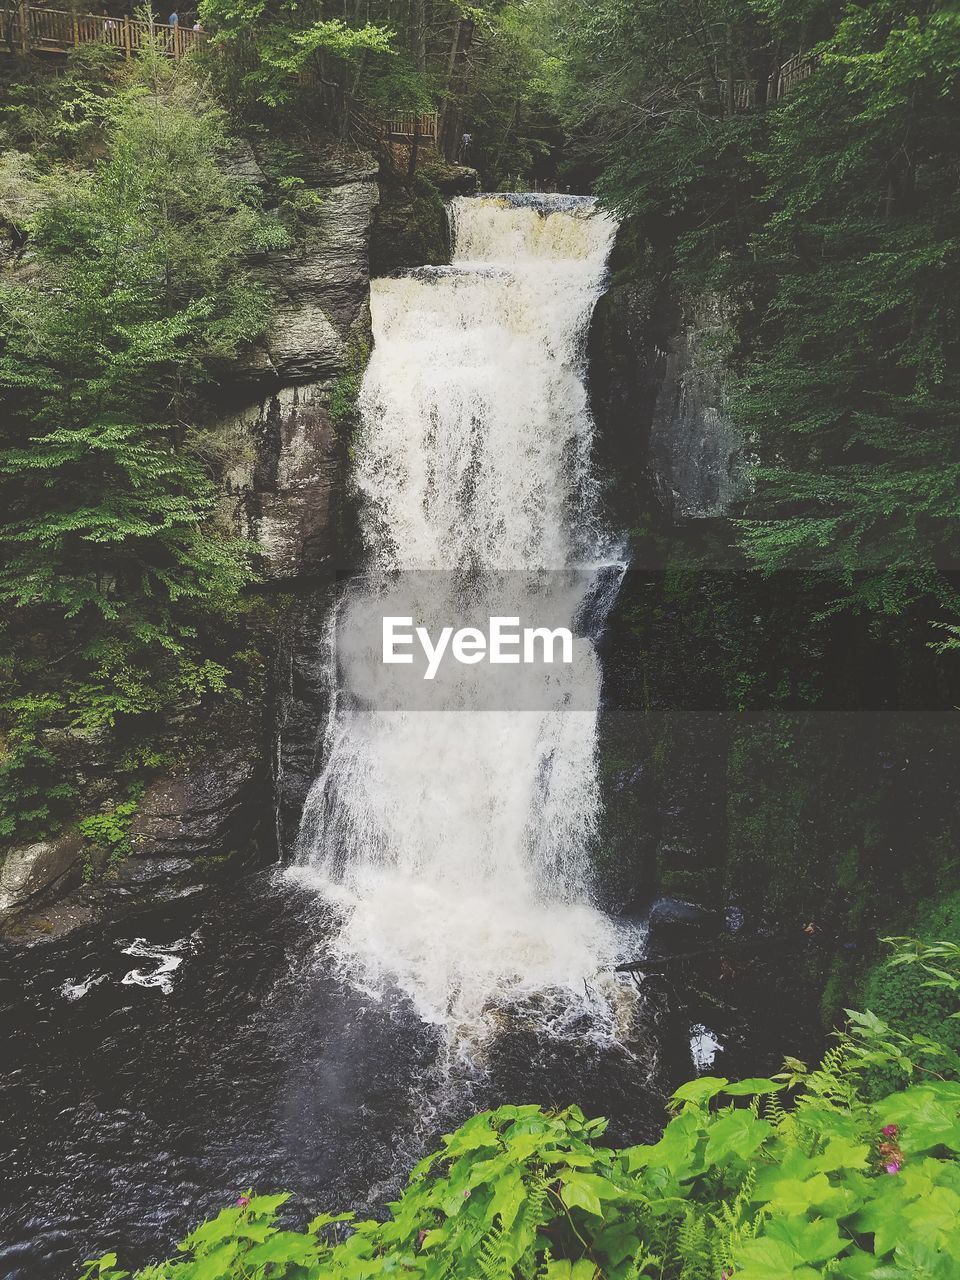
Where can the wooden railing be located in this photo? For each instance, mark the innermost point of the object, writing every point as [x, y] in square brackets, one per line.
[800, 67]
[36, 29]
[404, 126]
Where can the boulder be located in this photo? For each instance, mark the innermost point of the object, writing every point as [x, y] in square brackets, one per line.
[677, 926]
[320, 282]
[330, 265]
[303, 343]
[455, 180]
[27, 871]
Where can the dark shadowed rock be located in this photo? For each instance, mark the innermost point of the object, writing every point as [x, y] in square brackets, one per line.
[696, 449]
[303, 701]
[141, 872]
[206, 807]
[675, 925]
[666, 440]
[627, 344]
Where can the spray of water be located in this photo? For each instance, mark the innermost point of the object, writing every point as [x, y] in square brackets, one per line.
[455, 844]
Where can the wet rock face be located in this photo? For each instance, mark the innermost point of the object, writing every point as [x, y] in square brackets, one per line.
[696, 449]
[283, 491]
[666, 441]
[209, 816]
[319, 283]
[674, 925]
[626, 351]
[303, 703]
[202, 809]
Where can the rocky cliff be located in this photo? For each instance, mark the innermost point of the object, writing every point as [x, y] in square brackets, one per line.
[667, 443]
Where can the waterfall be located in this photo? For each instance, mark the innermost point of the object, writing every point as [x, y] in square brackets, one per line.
[453, 839]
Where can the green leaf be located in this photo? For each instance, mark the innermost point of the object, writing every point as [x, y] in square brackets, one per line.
[700, 1091]
[754, 1085]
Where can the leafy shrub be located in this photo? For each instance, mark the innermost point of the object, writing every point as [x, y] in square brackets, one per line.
[790, 1178]
[109, 832]
[899, 991]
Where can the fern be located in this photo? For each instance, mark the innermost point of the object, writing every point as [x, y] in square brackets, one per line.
[493, 1255]
[692, 1250]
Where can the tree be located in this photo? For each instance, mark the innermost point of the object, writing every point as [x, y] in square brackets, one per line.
[854, 384]
[109, 558]
[276, 53]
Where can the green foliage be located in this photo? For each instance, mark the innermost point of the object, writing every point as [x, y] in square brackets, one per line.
[916, 987]
[346, 389]
[268, 52]
[791, 1178]
[109, 832]
[482, 67]
[61, 116]
[115, 579]
[34, 793]
[857, 383]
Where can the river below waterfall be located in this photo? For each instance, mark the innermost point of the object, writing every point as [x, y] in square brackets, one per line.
[436, 947]
[129, 1111]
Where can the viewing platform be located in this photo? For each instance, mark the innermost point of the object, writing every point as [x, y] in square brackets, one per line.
[407, 126]
[36, 29]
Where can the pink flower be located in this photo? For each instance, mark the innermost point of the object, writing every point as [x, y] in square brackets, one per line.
[893, 1166]
[889, 1130]
[466, 1194]
[242, 1202]
[421, 1236]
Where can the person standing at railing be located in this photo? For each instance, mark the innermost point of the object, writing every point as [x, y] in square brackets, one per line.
[174, 19]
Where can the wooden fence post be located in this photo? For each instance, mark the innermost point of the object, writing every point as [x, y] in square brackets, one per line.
[126, 36]
[25, 27]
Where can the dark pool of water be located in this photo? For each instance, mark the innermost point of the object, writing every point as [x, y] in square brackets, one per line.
[128, 1113]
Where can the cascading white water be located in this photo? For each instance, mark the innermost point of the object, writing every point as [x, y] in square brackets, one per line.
[455, 843]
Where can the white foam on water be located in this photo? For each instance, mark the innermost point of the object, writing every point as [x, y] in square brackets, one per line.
[77, 990]
[704, 1047]
[169, 958]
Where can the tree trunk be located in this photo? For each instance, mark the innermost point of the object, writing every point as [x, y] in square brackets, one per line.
[448, 126]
